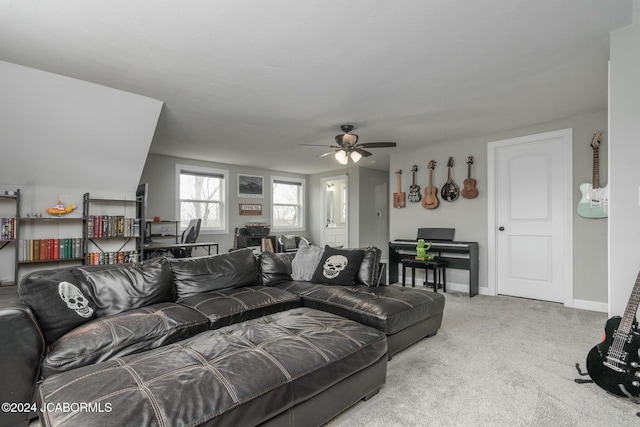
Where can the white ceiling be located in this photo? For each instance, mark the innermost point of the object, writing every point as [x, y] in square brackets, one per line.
[246, 81]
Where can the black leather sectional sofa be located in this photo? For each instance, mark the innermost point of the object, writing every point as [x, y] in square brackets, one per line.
[230, 339]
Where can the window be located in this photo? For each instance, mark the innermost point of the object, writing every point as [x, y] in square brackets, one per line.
[287, 202]
[202, 194]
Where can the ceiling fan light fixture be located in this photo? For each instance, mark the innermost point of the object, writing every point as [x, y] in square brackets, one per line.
[349, 138]
[341, 157]
[355, 156]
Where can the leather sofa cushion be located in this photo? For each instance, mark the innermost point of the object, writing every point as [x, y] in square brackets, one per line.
[386, 308]
[275, 268]
[193, 276]
[66, 298]
[121, 334]
[116, 288]
[239, 375]
[228, 306]
[369, 267]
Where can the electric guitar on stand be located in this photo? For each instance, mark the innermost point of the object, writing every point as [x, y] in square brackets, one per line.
[414, 190]
[614, 364]
[595, 199]
[430, 199]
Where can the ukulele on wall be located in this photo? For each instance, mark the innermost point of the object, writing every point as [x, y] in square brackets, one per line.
[399, 197]
[469, 191]
[614, 364]
[414, 189]
[430, 199]
[450, 190]
[595, 199]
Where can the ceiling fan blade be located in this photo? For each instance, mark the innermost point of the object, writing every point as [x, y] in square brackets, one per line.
[321, 145]
[377, 144]
[327, 154]
[363, 153]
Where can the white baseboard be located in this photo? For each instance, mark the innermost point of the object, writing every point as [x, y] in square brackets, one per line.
[579, 304]
[458, 287]
[591, 305]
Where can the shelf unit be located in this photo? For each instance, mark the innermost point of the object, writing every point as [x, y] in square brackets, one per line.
[77, 254]
[38, 251]
[163, 229]
[100, 231]
[255, 239]
[15, 198]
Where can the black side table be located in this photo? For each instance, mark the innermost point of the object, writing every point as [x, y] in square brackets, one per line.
[438, 266]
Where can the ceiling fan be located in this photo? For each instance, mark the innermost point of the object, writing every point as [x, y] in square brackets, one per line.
[348, 146]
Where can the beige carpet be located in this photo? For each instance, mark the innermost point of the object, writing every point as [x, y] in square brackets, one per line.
[496, 361]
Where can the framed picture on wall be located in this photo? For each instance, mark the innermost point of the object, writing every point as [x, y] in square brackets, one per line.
[250, 186]
[251, 209]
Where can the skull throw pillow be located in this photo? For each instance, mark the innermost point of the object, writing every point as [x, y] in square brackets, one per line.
[60, 299]
[338, 266]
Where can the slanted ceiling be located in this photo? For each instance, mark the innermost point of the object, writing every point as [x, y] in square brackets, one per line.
[63, 132]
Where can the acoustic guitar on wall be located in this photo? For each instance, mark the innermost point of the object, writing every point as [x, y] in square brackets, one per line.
[399, 197]
[469, 191]
[450, 190]
[614, 364]
[414, 189]
[595, 199]
[430, 199]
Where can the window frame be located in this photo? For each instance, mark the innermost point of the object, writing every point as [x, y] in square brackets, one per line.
[302, 182]
[183, 168]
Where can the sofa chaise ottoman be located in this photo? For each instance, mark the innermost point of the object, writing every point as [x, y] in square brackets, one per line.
[301, 364]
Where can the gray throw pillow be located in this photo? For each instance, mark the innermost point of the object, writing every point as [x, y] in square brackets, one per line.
[305, 262]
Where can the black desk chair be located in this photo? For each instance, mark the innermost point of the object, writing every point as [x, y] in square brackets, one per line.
[189, 235]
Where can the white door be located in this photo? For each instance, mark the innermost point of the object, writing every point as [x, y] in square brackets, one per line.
[335, 222]
[531, 224]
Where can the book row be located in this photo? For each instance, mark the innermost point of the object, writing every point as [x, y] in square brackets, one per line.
[112, 226]
[122, 257]
[8, 230]
[48, 249]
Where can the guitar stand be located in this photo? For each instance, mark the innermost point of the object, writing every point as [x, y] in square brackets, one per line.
[584, 374]
[634, 399]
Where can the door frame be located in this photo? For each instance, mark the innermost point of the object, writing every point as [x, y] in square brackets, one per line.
[323, 191]
[566, 139]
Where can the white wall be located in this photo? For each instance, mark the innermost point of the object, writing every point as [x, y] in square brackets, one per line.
[59, 131]
[469, 217]
[624, 155]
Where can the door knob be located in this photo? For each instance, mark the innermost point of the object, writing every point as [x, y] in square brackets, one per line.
[501, 228]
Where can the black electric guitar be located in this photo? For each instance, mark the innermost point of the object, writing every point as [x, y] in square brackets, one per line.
[614, 364]
[450, 190]
[414, 189]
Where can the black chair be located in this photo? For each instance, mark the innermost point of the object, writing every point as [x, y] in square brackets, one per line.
[189, 235]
